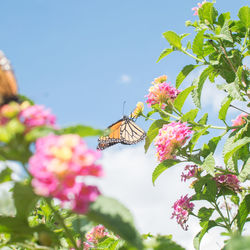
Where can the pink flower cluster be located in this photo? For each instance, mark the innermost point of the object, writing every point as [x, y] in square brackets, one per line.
[197, 8]
[192, 171]
[182, 208]
[36, 115]
[171, 136]
[161, 93]
[55, 166]
[29, 115]
[97, 233]
[230, 181]
[239, 120]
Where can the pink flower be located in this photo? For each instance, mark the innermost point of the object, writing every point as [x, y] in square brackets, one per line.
[56, 164]
[193, 171]
[239, 120]
[171, 136]
[182, 208]
[230, 181]
[161, 93]
[96, 233]
[197, 8]
[34, 116]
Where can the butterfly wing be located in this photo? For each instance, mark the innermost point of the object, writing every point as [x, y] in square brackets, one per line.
[113, 137]
[130, 132]
[8, 85]
[124, 131]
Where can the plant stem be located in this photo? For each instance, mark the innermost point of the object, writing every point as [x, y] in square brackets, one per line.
[239, 109]
[196, 58]
[245, 40]
[61, 221]
[227, 210]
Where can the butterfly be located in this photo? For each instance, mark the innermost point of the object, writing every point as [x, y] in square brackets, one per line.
[8, 84]
[124, 131]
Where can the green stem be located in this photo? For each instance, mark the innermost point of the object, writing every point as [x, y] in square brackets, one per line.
[148, 118]
[61, 221]
[224, 171]
[227, 209]
[222, 216]
[245, 40]
[196, 58]
[166, 113]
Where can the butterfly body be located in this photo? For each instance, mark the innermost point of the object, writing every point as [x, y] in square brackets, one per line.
[124, 131]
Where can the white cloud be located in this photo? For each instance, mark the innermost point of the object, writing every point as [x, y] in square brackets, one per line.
[125, 78]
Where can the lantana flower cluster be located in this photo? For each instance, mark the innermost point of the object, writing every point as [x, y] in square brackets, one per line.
[56, 166]
[138, 110]
[191, 171]
[171, 137]
[228, 180]
[196, 9]
[182, 209]
[161, 93]
[98, 232]
[29, 115]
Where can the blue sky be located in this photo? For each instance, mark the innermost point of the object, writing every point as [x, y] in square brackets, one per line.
[82, 59]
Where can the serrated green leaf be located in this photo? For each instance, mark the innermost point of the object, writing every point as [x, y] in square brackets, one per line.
[114, 216]
[109, 243]
[173, 39]
[206, 226]
[243, 212]
[197, 47]
[207, 13]
[164, 53]
[232, 148]
[232, 89]
[196, 94]
[205, 213]
[244, 16]
[183, 74]
[82, 131]
[153, 132]
[209, 164]
[162, 167]
[225, 33]
[190, 115]
[223, 17]
[245, 172]
[24, 199]
[203, 119]
[224, 107]
[5, 175]
[181, 98]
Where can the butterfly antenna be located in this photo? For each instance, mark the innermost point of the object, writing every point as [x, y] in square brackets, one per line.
[124, 102]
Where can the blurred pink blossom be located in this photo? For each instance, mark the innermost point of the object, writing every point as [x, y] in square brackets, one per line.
[182, 208]
[171, 136]
[239, 120]
[228, 180]
[97, 233]
[197, 8]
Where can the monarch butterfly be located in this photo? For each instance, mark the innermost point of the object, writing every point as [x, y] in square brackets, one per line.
[124, 131]
[8, 85]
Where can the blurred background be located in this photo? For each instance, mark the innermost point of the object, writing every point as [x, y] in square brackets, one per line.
[83, 59]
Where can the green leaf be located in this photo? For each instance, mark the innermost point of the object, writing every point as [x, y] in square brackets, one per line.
[5, 175]
[238, 243]
[82, 225]
[207, 13]
[223, 17]
[162, 167]
[196, 94]
[245, 172]
[244, 16]
[196, 136]
[210, 147]
[181, 98]
[173, 39]
[225, 33]
[23, 98]
[206, 226]
[109, 243]
[232, 148]
[209, 164]
[82, 131]
[224, 107]
[24, 199]
[115, 217]
[232, 89]
[243, 212]
[203, 120]
[190, 115]
[198, 43]
[205, 213]
[14, 225]
[183, 74]
[38, 132]
[164, 53]
[153, 132]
